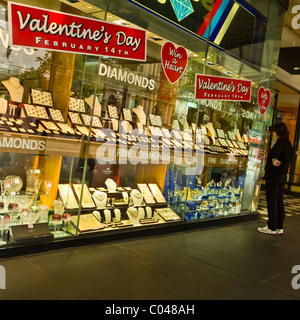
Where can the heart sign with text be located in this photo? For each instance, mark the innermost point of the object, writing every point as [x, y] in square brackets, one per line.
[174, 61]
[263, 99]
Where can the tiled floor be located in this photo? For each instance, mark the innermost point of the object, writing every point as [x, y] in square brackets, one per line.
[291, 202]
[224, 263]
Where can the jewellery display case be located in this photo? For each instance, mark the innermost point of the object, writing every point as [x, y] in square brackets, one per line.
[85, 153]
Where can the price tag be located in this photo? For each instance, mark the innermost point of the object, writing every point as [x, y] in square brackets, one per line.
[30, 226]
[24, 212]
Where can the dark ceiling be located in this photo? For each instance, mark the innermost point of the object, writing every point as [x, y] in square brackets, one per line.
[289, 58]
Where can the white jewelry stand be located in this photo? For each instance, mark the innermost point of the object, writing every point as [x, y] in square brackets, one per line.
[139, 111]
[100, 199]
[141, 213]
[137, 197]
[97, 105]
[111, 185]
[125, 197]
[107, 215]
[133, 215]
[148, 212]
[14, 88]
[117, 213]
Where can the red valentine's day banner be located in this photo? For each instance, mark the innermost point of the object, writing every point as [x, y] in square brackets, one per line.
[174, 61]
[52, 30]
[222, 88]
[263, 99]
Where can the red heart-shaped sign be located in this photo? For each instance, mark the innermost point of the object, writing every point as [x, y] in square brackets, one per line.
[263, 99]
[174, 61]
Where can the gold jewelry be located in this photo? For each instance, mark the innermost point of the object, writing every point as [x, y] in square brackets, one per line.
[131, 213]
[136, 194]
[14, 85]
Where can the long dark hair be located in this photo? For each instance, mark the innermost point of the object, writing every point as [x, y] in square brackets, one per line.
[281, 129]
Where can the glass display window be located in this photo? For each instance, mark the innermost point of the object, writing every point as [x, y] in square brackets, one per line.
[96, 140]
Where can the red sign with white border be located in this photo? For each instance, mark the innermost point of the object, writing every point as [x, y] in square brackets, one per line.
[222, 88]
[52, 30]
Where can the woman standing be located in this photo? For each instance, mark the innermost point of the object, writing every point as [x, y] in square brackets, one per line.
[278, 162]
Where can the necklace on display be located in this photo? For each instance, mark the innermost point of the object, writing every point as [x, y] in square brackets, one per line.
[17, 81]
[136, 194]
[99, 196]
[130, 210]
[111, 184]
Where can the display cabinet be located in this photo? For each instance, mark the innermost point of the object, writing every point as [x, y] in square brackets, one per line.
[96, 145]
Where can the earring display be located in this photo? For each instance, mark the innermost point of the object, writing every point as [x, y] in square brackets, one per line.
[76, 104]
[87, 222]
[176, 125]
[39, 97]
[74, 118]
[56, 115]
[112, 112]
[49, 125]
[67, 196]
[166, 132]
[64, 127]
[155, 120]
[168, 214]
[155, 131]
[87, 200]
[127, 116]
[157, 193]
[36, 111]
[146, 193]
[87, 120]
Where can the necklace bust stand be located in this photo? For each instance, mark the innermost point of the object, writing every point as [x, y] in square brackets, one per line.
[133, 215]
[97, 105]
[137, 197]
[111, 185]
[14, 88]
[100, 199]
[139, 111]
[107, 216]
[117, 213]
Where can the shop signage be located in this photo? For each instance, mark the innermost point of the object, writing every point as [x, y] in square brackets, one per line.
[44, 29]
[263, 99]
[174, 61]
[18, 143]
[126, 76]
[222, 88]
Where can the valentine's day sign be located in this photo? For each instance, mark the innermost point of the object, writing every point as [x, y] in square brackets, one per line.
[52, 30]
[222, 88]
[174, 61]
[263, 99]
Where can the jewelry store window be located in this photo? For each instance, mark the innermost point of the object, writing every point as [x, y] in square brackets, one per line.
[95, 144]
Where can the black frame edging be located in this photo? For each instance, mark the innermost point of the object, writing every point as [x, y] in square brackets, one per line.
[140, 233]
